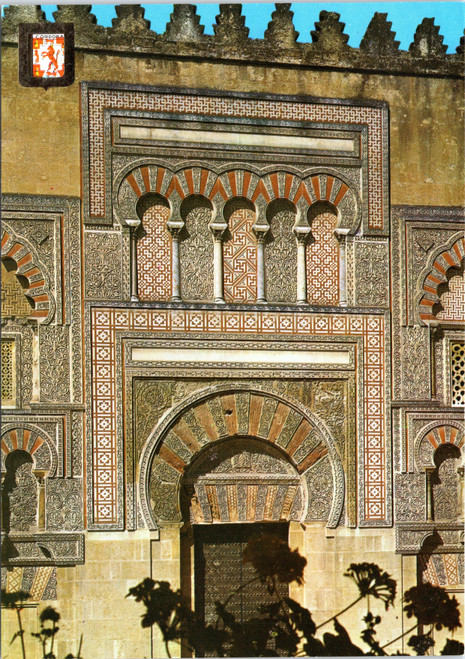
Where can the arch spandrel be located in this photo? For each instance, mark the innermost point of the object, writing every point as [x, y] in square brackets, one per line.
[214, 417]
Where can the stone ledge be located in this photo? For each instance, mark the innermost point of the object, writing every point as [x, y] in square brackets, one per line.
[58, 549]
[444, 536]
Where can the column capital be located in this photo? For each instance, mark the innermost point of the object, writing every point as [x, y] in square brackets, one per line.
[218, 230]
[302, 234]
[175, 227]
[260, 231]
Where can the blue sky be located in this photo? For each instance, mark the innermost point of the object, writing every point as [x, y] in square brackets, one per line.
[405, 17]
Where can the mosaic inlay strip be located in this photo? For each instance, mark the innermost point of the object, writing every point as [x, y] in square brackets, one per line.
[107, 322]
[100, 100]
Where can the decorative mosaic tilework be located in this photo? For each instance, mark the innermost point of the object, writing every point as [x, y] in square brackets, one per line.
[100, 100]
[240, 258]
[323, 262]
[154, 256]
[441, 569]
[458, 373]
[453, 300]
[107, 322]
[7, 371]
[14, 302]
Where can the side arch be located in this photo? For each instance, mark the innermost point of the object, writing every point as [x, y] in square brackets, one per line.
[29, 268]
[33, 440]
[447, 257]
[239, 411]
[434, 435]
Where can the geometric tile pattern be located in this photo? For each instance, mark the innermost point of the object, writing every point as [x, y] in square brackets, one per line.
[457, 350]
[154, 256]
[240, 258]
[14, 302]
[323, 262]
[453, 300]
[106, 323]
[444, 570]
[37, 581]
[100, 100]
[7, 373]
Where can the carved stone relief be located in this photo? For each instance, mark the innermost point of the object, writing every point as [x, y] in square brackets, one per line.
[103, 265]
[415, 363]
[23, 500]
[281, 258]
[64, 504]
[196, 252]
[371, 272]
[320, 488]
[446, 485]
[410, 497]
[54, 363]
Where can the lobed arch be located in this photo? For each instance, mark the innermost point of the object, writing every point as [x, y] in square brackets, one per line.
[435, 435]
[259, 188]
[29, 269]
[434, 276]
[223, 413]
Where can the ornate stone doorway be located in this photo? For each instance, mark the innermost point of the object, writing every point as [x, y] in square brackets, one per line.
[221, 575]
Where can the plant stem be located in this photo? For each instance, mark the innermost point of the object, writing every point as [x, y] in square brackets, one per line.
[398, 637]
[79, 648]
[53, 638]
[341, 612]
[167, 649]
[21, 632]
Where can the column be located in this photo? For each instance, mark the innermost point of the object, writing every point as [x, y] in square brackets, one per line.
[429, 493]
[460, 493]
[302, 233]
[260, 229]
[133, 226]
[175, 266]
[175, 228]
[341, 235]
[218, 283]
[261, 298]
[40, 476]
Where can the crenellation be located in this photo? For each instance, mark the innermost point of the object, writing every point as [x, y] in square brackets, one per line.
[184, 37]
[281, 32]
[427, 42]
[379, 39]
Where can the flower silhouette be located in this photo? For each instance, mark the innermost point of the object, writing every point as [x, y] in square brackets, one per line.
[370, 580]
[272, 557]
[431, 605]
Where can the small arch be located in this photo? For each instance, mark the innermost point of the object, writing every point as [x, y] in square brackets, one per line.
[445, 483]
[435, 278]
[31, 439]
[323, 254]
[433, 436]
[19, 257]
[196, 249]
[451, 303]
[240, 251]
[19, 487]
[154, 248]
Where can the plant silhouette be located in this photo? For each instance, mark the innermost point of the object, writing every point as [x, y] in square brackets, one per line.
[284, 627]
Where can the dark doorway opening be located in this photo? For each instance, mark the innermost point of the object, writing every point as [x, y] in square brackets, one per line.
[219, 570]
